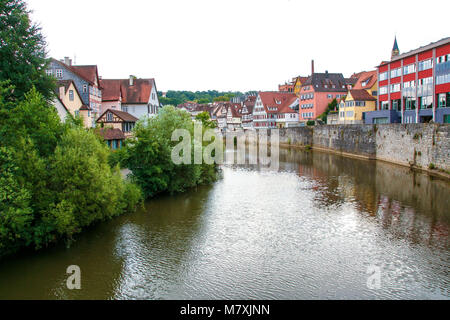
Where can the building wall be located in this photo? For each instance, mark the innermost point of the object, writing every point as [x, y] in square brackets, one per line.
[320, 102]
[62, 112]
[357, 111]
[116, 105]
[138, 110]
[74, 105]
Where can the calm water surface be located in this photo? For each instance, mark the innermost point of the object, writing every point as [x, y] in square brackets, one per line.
[307, 231]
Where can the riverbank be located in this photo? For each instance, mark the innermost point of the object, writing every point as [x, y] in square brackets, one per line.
[422, 147]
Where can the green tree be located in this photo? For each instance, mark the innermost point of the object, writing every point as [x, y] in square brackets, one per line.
[16, 213]
[22, 51]
[206, 120]
[150, 152]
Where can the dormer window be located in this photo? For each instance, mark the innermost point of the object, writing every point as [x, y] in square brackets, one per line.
[59, 73]
[277, 101]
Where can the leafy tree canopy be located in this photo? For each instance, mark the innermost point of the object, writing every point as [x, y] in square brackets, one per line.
[22, 51]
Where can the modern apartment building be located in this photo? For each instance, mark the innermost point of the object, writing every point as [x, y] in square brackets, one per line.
[414, 87]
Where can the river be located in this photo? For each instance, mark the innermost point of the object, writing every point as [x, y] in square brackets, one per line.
[311, 230]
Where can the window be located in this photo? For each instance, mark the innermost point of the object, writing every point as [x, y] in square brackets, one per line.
[85, 88]
[425, 65]
[425, 81]
[127, 126]
[349, 114]
[124, 109]
[426, 102]
[409, 84]
[330, 96]
[411, 68]
[380, 120]
[59, 73]
[49, 72]
[443, 59]
[77, 113]
[109, 117]
[441, 79]
[410, 103]
[396, 73]
[396, 105]
[395, 87]
[385, 105]
[383, 76]
[442, 102]
[384, 90]
[71, 98]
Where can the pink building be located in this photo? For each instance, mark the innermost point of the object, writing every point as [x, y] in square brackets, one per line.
[318, 91]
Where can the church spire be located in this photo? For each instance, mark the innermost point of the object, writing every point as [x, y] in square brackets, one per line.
[395, 50]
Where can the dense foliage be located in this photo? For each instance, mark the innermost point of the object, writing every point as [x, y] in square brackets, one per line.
[54, 177]
[22, 50]
[149, 155]
[178, 97]
[205, 119]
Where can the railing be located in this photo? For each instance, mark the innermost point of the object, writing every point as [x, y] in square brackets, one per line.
[425, 90]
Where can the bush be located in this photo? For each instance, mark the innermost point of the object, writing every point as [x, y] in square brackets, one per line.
[149, 156]
[310, 123]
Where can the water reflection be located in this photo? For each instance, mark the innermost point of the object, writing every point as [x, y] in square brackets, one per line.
[306, 231]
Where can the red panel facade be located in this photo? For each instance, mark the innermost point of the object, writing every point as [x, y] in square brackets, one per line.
[396, 95]
[443, 50]
[425, 73]
[426, 55]
[443, 88]
[409, 77]
[409, 60]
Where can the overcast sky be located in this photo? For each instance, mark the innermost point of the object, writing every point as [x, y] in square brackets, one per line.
[234, 44]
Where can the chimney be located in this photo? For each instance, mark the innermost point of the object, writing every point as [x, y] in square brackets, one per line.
[326, 73]
[312, 67]
[131, 80]
[68, 61]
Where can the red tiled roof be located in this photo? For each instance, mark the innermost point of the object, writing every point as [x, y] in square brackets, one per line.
[88, 72]
[112, 134]
[139, 92]
[270, 99]
[125, 116]
[371, 76]
[111, 90]
[361, 95]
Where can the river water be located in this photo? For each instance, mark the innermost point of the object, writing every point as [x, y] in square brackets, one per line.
[321, 227]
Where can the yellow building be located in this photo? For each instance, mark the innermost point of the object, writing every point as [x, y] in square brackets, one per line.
[298, 82]
[357, 102]
[71, 98]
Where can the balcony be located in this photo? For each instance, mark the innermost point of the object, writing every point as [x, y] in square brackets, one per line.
[409, 92]
[425, 90]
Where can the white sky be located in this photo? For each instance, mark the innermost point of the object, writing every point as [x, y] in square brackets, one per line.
[235, 44]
